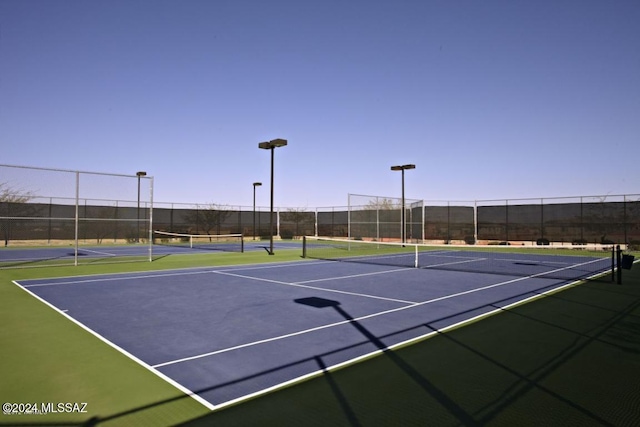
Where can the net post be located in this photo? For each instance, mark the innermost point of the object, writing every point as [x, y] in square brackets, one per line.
[415, 263]
[304, 246]
[619, 263]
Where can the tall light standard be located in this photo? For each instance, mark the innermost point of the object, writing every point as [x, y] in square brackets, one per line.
[139, 175]
[255, 184]
[271, 145]
[404, 211]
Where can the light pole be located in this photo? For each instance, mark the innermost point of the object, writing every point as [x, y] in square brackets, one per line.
[255, 184]
[139, 175]
[271, 145]
[404, 212]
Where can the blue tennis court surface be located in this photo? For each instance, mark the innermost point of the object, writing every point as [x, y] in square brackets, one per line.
[19, 255]
[228, 333]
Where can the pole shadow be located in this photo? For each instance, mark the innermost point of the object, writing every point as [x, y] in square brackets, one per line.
[456, 410]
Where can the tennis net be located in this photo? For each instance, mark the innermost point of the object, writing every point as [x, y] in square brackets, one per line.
[214, 242]
[557, 262]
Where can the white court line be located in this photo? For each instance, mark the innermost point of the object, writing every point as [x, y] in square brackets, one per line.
[266, 340]
[351, 276]
[278, 265]
[145, 365]
[453, 263]
[117, 278]
[170, 273]
[447, 254]
[301, 285]
[96, 252]
[330, 325]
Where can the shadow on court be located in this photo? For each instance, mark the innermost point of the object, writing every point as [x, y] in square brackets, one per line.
[566, 359]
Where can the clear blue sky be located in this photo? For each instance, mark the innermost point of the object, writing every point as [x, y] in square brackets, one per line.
[490, 99]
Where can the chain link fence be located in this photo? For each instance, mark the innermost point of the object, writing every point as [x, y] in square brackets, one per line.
[48, 207]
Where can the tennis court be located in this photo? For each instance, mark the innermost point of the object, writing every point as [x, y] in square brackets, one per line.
[60, 255]
[229, 333]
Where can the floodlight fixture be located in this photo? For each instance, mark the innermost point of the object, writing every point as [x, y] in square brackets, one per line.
[278, 142]
[274, 143]
[403, 167]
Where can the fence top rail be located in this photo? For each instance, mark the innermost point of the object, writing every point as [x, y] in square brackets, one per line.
[75, 171]
[603, 197]
[381, 197]
[321, 209]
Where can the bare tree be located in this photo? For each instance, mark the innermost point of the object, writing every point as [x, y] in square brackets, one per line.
[384, 204]
[99, 223]
[12, 203]
[298, 216]
[208, 218]
[12, 195]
